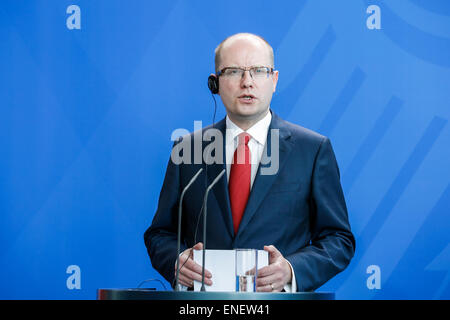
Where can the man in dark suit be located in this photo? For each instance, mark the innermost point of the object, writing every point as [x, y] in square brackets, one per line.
[289, 203]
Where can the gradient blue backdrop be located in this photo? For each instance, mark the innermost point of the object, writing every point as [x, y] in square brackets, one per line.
[86, 117]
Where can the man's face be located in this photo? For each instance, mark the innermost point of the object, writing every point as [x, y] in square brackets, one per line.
[246, 52]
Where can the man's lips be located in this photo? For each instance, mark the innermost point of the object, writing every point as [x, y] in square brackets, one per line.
[246, 98]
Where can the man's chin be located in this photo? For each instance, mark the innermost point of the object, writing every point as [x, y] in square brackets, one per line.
[249, 114]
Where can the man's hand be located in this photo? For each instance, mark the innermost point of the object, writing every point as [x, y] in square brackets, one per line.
[273, 277]
[189, 270]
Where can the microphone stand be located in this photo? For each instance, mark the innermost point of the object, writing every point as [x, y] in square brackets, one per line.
[180, 207]
[205, 207]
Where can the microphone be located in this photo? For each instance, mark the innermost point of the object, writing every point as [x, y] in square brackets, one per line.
[205, 207]
[180, 206]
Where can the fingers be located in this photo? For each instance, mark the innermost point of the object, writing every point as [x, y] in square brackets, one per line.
[250, 272]
[190, 270]
[188, 282]
[190, 276]
[185, 281]
[192, 267]
[273, 253]
[198, 246]
[188, 253]
[274, 276]
[266, 271]
[274, 287]
[268, 279]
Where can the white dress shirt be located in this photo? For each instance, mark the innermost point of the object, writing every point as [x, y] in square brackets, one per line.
[258, 133]
[256, 144]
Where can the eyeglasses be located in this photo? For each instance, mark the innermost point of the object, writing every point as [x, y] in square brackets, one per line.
[238, 73]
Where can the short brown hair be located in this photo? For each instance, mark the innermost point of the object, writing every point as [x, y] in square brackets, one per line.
[219, 48]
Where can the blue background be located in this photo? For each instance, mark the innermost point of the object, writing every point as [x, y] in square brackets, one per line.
[86, 117]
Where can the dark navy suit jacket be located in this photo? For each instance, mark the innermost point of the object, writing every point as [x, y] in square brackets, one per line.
[300, 210]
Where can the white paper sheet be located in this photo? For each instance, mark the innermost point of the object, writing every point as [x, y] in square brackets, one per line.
[221, 264]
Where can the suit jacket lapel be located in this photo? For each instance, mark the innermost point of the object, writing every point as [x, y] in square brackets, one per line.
[263, 182]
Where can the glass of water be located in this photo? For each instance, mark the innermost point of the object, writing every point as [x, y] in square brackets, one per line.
[246, 270]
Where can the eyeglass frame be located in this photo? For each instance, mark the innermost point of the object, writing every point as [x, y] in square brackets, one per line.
[270, 70]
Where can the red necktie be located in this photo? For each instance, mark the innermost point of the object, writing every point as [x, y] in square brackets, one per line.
[239, 183]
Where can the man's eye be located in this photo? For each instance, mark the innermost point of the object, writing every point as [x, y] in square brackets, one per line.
[233, 71]
[260, 70]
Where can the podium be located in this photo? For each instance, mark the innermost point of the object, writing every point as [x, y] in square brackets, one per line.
[148, 294]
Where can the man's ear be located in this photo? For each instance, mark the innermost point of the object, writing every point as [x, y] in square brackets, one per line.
[275, 80]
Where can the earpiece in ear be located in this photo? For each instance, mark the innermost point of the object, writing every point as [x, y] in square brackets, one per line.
[213, 84]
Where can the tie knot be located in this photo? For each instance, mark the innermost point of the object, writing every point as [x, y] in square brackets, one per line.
[243, 138]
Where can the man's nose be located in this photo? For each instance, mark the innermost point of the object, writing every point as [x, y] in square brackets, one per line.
[247, 80]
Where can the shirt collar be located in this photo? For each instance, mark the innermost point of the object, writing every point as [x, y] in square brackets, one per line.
[258, 131]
